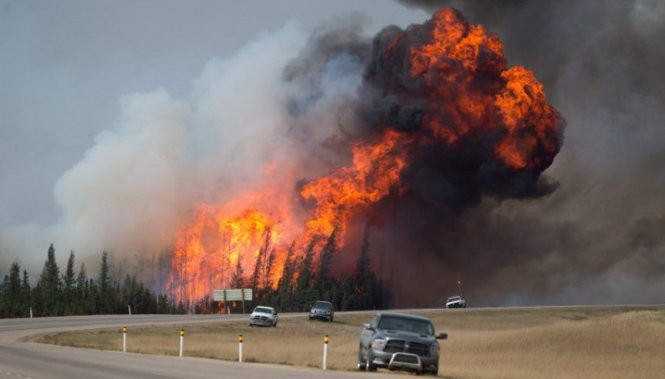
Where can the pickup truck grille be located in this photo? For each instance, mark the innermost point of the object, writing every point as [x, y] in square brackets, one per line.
[399, 346]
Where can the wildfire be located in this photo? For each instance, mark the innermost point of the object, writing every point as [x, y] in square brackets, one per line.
[446, 98]
[348, 190]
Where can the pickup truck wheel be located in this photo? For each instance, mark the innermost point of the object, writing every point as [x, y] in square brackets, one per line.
[361, 362]
[369, 366]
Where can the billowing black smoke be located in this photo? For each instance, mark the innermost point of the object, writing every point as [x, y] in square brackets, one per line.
[463, 146]
[595, 239]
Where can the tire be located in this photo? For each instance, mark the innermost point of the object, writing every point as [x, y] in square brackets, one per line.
[369, 366]
[274, 325]
[361, 362]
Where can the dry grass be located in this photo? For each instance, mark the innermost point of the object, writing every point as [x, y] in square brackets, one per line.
[570, 342]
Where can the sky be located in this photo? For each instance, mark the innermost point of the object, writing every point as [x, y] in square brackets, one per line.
[85, 87]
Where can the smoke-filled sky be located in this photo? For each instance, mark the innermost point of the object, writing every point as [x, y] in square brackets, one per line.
[117, 117]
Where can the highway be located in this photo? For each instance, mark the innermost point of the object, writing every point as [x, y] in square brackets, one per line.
[27, 360]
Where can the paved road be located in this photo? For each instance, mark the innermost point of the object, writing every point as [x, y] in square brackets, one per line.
[23, 360]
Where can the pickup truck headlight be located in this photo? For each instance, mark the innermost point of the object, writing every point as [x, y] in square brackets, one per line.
[378, 344]
[434, 349]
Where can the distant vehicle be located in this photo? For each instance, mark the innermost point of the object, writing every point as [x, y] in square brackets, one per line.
[263, 316]
[322, 310]
[399, 341]
[456, 302]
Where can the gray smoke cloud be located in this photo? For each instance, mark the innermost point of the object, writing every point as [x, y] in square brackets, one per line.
[598, 237]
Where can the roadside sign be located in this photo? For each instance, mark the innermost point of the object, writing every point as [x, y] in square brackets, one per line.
[235, 294]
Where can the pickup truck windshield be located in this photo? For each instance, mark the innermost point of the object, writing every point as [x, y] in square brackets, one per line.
[407, 324]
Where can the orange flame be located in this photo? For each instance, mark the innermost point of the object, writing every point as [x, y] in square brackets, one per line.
[348, 190]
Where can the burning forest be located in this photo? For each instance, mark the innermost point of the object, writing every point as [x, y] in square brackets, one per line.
[431, 120]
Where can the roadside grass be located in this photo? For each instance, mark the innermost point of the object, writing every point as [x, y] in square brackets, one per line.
[551, 342]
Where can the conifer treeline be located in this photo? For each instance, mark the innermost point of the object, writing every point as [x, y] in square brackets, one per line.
[57, 294]
[303, 280]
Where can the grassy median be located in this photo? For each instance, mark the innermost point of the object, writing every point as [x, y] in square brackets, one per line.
[553, 342]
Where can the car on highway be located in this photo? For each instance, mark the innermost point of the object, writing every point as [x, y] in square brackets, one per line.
[263, 316]
[322, 310]
[398, 341]
[456, 302]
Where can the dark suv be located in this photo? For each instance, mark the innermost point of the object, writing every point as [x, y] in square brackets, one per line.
[399, 342]
[322, 310]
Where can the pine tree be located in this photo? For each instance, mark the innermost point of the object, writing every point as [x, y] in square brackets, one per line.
[366, 288]
[261, 259]
[81, 293]
[4, 294]
[26, 292]
[106, 298]
[13, 300]
[267, 281]
[91, 295]
[324, 283]
[305, 294]
[50, 286]
[285, 285]
[69, 281]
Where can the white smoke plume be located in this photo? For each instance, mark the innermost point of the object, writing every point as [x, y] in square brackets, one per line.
[129, 192]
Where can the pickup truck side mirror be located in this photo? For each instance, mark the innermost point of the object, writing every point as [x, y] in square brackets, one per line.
[367, 326]
[442, 336]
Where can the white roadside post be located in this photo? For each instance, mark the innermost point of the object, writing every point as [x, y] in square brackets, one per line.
[240, 348]
[124, 339]
[325, 352]
[30, 312]
[182, 340]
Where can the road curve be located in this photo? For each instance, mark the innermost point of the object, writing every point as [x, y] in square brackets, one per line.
[23, 360]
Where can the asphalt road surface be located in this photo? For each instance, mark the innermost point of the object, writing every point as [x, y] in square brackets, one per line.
[23, 360]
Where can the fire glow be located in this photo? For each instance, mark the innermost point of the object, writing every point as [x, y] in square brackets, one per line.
[438, 94]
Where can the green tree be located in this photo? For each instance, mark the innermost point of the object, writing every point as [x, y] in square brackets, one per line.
[305, 294]
[285, 286]
[324, 282]
[26, 292]
[366, 292]
[258, 276]
[85, 298]
[69, 284]
[12, 299]
[4, 309]
[106, 298]
[50, 286]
